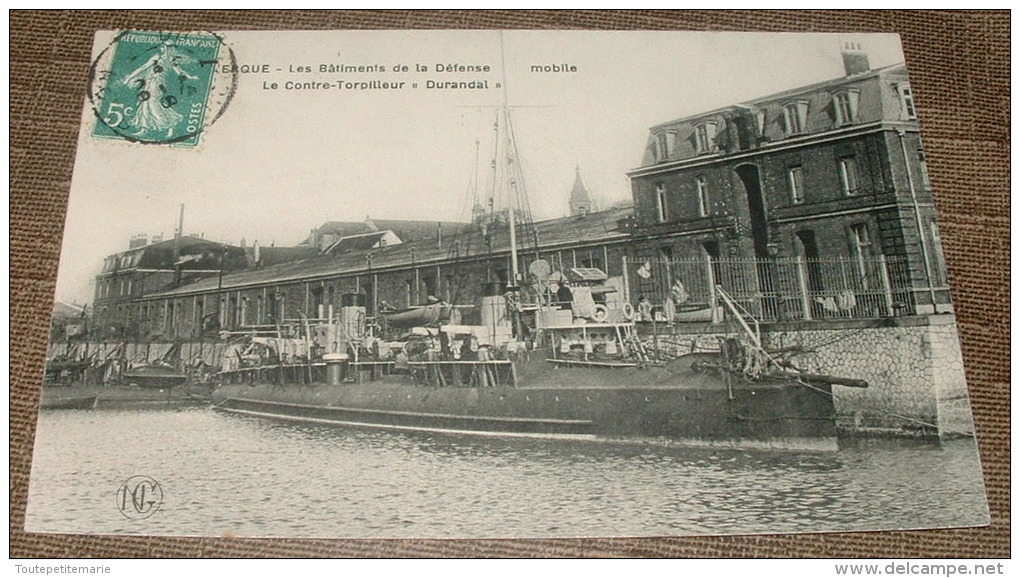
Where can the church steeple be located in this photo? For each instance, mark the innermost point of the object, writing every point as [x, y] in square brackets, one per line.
[580, 201]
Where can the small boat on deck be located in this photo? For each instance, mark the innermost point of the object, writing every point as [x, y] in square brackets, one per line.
[422, 316]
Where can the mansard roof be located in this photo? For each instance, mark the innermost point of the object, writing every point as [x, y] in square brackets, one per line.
[876, 100]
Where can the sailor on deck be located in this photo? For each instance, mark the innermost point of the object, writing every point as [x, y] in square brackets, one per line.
[564, 296]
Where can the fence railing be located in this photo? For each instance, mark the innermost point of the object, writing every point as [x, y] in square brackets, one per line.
[776, 289]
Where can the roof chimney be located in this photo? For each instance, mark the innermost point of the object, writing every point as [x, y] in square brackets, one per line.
[139, 240]
[855, 60]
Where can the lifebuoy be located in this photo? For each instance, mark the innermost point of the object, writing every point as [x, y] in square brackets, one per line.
[599, 313]
[628, 311]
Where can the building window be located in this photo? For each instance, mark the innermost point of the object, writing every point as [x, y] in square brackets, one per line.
[280, 308]
[938, 257]
[233, 313]
[860, 239]
[795, 117]
[592, 261]
[795, 177]
[922, 162]
[845, 104]
[760, 119]
[661, 210]
[429, 284]
[848, 176]
[907, 110]
[704, 137]
[702, 196]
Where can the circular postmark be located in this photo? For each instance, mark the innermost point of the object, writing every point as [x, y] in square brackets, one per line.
[161, 88]
[139, 497]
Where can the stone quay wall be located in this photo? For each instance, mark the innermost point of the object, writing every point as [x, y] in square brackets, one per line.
[913, 366]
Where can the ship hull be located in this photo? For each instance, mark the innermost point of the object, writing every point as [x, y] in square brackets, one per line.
[78, 402]
[122, 397]
[783, 415]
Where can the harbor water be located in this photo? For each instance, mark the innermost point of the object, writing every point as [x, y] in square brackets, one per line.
[220, 474]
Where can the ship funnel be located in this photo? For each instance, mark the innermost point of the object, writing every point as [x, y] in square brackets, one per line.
[495, 318]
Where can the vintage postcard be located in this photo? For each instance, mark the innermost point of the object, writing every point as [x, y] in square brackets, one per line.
[485, 284]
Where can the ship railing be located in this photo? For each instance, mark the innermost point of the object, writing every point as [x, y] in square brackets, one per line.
[465, 373]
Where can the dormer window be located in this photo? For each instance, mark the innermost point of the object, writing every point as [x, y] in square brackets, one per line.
[845, 105]
[795, 117]
[759, 118]
[664, 145]
[704, 137]
[907, 110]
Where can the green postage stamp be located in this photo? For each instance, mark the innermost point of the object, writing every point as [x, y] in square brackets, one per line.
[160, 88]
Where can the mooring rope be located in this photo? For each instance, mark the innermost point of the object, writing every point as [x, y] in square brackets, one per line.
[969, 434]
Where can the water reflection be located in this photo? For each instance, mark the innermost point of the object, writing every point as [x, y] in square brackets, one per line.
[248, 476]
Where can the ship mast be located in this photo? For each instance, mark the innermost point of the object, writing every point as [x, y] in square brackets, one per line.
[516, 194]
[507, 151]
[512, 210]
[512, 173]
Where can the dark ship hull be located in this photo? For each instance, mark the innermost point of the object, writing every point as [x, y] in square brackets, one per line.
[675, 404]
[76, 402]
[123, 397]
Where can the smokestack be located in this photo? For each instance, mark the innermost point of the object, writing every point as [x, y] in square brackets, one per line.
[855, 60]
[177, 247]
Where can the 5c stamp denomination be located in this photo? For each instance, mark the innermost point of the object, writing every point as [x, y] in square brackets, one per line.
[160, 88]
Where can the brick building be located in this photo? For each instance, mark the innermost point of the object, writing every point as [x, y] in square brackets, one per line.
[832, 173]
[147, 268]
[453, 266]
